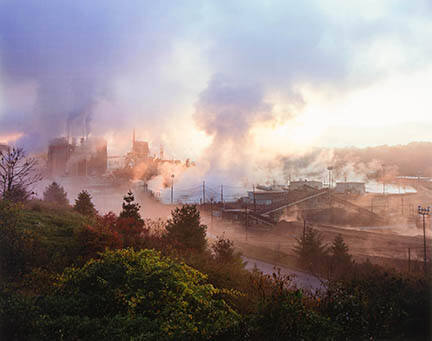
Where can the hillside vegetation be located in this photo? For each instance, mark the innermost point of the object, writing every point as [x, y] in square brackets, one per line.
[69, 276]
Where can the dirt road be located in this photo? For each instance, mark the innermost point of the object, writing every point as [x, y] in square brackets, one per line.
[300, 279]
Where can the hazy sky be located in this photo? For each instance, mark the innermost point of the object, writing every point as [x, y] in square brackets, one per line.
[218, 77]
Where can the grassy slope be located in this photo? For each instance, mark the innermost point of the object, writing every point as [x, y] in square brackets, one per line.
[53, 229]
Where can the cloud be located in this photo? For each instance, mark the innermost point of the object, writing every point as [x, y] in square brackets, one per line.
[75, 53]
[222, 66]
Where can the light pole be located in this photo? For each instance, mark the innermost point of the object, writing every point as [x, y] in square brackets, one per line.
[247, 220]
[172, 189]
[424, 211]
[330, 168]
[254, 200]
[211, 212]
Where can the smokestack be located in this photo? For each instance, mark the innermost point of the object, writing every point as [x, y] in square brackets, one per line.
[86, 128]
[68, 130]
[133, 139]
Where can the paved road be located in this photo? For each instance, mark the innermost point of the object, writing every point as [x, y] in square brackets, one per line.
[301, 279]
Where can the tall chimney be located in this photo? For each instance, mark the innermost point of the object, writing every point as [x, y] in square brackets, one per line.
[68, 131]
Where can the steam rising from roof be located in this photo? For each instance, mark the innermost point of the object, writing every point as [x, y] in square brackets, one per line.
[216, 67]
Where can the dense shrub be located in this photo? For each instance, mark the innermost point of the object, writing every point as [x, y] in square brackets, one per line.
[15, 245]
[379, 304]
[285, 313]
[127, 294]
[18, 193]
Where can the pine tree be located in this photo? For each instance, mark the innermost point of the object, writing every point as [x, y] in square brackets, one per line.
[56, 194]
[310, 249]
[84, 205]
[185, 228]
[339, 250]
[130, 225]
[130, 208]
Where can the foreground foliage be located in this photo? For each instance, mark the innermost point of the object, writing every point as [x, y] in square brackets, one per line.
[127, 294]
[70, 276]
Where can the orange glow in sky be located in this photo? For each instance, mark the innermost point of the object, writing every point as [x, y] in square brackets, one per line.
[9, 138]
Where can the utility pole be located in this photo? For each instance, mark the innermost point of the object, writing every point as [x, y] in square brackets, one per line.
[203, 191]
[304, 229]
[409, 260]
[329, 168]
[424, 211]
[222, 194]
[247, 221]
[402, 204]
[211, 212]
[172, 189]
[383, 177]
[254, 200]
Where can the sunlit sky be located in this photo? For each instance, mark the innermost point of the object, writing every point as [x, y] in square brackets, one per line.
[271, 75]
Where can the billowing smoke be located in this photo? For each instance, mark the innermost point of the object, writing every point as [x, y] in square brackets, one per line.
[60, 62]
[63, 54]
[227, 112]
[107, 66]
[311, 164]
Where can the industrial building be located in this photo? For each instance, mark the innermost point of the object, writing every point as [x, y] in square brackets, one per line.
[266, 197]
[350, 187]
[59, 153]
[89, 157]
[301, 184]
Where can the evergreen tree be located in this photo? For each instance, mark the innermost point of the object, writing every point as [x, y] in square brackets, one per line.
[310, 250]
[340, 259]
[130, 208]
[56, 194]
[130, 225]
[185, 228]
[84, 205]
[339, 250]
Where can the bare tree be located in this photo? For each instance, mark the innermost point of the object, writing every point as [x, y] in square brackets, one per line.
[18, 173]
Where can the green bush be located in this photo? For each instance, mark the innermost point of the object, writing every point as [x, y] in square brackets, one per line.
[381, 305]
[127, 294]
[15, 245]
[284, 313]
